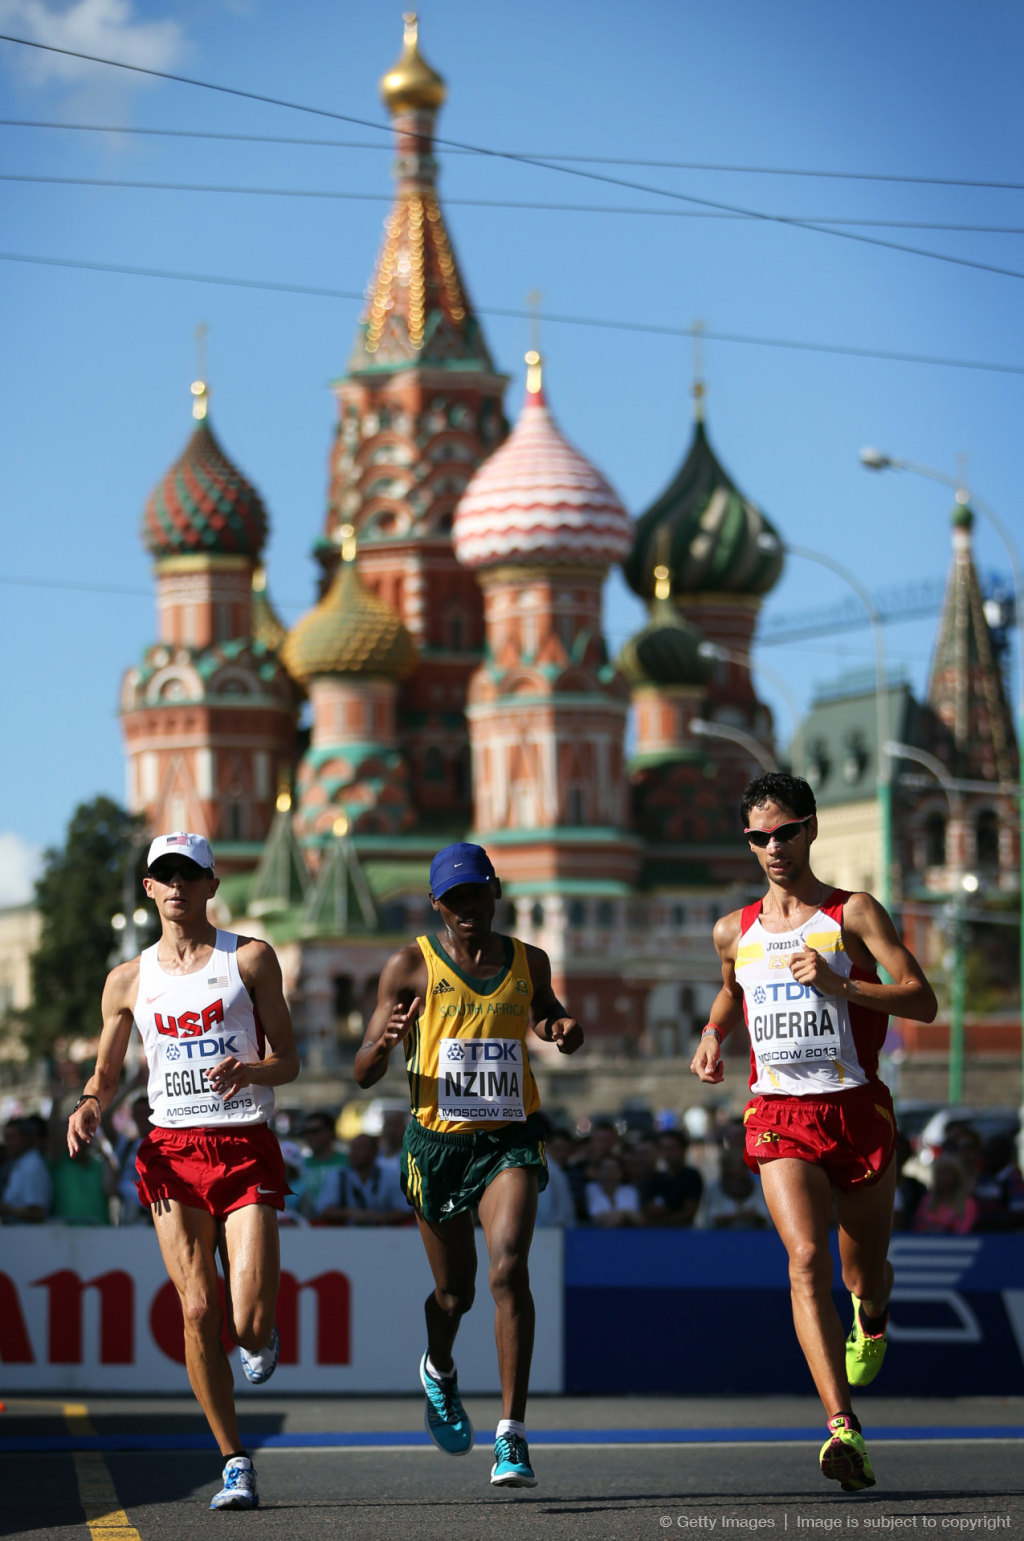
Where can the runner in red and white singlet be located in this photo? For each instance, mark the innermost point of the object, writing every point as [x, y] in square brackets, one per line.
[800, 967]
[217, 1037]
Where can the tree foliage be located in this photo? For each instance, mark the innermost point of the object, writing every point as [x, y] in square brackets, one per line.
[96, 875]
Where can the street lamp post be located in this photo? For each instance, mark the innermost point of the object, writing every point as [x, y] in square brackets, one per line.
[883, 769]
[962, 884]
[729, 655]
[747, 741]
[875, 460]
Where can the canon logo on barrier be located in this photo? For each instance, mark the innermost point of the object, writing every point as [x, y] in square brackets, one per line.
[116, 1292]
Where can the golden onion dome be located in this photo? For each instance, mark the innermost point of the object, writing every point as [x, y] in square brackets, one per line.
[350, 631]
[411, 83]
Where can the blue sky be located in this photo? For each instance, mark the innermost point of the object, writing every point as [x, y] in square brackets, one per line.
[96, 365]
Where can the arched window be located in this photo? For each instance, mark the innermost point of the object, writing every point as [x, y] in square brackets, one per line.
[463, 773]
[577, 913]
[433, 764]
[575, 807]
[455, 629]
[935, 840]
[986, 838]
[537, 915]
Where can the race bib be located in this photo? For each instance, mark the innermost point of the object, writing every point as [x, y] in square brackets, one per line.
[480, 1080]
[794, 1023]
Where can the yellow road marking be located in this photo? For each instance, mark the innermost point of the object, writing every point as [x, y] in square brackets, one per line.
[96, 1491]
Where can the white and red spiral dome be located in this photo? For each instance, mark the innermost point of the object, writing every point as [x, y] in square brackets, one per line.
[537, 502]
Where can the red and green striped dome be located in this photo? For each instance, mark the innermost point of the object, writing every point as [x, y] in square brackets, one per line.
[204, 506]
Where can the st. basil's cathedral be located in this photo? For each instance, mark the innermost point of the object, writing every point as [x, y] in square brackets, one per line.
[452, 680]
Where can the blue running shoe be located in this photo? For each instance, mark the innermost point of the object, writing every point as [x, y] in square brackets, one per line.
[260, 1365]
[239, 1490]
[446, 1420]
[512, 1462]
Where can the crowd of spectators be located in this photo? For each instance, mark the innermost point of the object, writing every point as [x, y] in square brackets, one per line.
[971, 1185]
[598, 1176]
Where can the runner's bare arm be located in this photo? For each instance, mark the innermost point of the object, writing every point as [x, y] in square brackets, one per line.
[400, 994]
[261, 974]
[871, 939]
[117, 1008]
[548, 1017]
[727, 1007]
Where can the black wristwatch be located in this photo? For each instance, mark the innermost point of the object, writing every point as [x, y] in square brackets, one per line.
[87, 1097]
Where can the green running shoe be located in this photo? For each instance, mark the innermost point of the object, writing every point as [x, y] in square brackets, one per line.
[446, 1420]
[864, 1351]
[843, 1457]
[512, 1462]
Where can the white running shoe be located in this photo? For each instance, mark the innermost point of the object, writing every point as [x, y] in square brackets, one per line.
[260, 1365]
[239, 1490]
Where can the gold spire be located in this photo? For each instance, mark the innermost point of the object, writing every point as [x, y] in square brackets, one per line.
[200, 389]
[411, 84]
[662, 571]
[697, 332]
[345, 535]
[201, 392]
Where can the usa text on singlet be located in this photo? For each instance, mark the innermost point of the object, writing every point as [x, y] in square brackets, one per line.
[189, 1022]
[466, 1057]
[803, 1043]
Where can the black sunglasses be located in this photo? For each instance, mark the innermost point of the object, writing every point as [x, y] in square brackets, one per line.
[189, 871]
[781, 832]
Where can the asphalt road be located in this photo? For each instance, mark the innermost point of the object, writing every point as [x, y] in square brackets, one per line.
[116, 1469]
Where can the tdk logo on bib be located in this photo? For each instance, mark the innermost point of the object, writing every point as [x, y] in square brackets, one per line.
[788, 991]
[487, 1050]
[201, 1048]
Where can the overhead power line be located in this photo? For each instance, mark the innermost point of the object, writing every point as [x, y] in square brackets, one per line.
[344, 195]
[527, 160]
[887, 355]
[596, 160]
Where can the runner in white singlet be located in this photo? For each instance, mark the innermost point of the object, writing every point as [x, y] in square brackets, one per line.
[217, 1037]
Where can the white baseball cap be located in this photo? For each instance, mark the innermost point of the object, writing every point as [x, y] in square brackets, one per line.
[195, 847]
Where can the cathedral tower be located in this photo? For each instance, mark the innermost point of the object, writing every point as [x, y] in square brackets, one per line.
[418, 410]
[209, 713]
[539, 526]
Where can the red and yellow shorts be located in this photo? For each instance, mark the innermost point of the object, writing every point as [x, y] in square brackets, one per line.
[851, 1134]
[218, 1170]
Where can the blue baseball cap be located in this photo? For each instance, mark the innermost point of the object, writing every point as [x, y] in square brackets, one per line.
[459, 863]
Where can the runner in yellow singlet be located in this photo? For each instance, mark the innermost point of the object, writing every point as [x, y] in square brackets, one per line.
[462, 1003]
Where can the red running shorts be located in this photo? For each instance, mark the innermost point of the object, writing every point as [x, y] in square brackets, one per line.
[218, 1170]
[851, 1134]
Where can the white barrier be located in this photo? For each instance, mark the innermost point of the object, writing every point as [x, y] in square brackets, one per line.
[84, 1309]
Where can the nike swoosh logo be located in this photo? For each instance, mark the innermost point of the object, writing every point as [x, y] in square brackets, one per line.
[151, 998]
[266, 1190]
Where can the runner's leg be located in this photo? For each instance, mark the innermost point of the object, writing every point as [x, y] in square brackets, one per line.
[865, 1225]
[451, 1253]
[251, 1256]
[188, 1244]
[799, 1199]
[508, 1211]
